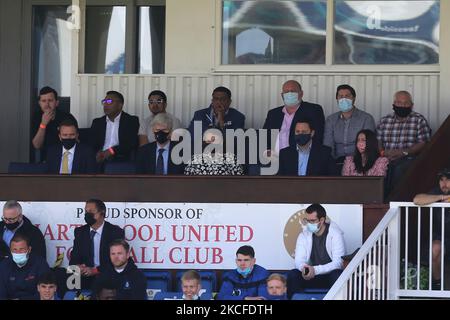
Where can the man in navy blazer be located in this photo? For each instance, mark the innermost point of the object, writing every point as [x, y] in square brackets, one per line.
[307, 157]
[218, 115]
[155, 157]
[285, 117]
[70, 156]
[115, 135]
[91, 244]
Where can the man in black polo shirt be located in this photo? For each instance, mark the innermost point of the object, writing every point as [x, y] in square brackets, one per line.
[46, 121]
[440, 193]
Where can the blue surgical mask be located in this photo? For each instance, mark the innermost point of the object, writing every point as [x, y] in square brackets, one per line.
[244, 272]
[312, 227]
[291, 98]
[20, 259]
[345, 104]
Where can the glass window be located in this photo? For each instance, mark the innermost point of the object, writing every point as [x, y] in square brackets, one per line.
[152, 21]
[273, 32]
[105, 39]
[386, 32]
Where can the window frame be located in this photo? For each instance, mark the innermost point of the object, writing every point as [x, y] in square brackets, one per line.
[328, 67]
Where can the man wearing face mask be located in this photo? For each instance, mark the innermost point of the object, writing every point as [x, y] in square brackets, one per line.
[341, 127]
[19, 273]
[91, 243]
[402, 135]
[318, 253]
[13, 221]
[308, 157]
[70, 156]
[155, 157]
[285, 117]
[248, 281]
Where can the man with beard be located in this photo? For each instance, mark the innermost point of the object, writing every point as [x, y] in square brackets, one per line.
[438, 194]
[91, 244]
[131, 282]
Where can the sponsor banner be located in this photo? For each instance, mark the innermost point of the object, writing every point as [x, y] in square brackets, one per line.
[194, 235]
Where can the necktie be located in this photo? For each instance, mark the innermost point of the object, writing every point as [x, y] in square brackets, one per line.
[91, 253]
[160, 162]
[65, 163]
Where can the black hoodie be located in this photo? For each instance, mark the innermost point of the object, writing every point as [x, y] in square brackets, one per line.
[132, 283]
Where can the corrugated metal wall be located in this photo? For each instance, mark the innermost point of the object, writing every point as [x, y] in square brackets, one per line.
[253, 94]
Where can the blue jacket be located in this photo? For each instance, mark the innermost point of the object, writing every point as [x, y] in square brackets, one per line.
[21, 283]
[233, 120]
[236, 287]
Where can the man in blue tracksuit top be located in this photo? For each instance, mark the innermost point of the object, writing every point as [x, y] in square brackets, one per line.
[248, 281]
[20, 272]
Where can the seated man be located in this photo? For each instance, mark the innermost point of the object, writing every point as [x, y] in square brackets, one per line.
[114, 136]
[440, 193]
[218, 115]
[47, 287]
[191, 285]
[105, 288]
[13, 221]
[308, 157]
[285, 117]
[157, 103]
[70, 156]
[341, 127]
[318, 253]
[91, 243]
[131, 282]
[47, 120]
[155, 157]
[276, 287]
[403, 135]
[20, 272]
[247, 282]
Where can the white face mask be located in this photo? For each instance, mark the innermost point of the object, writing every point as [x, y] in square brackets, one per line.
[20, 259]
[291, 99]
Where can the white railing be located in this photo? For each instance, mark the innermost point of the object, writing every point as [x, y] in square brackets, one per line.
[391, 264]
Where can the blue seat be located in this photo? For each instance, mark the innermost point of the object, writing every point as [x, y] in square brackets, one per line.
[27, 168]
[157, 281]
[208, 277]
[179, 296]
[120, 168]
[310, 294]
[73, 294]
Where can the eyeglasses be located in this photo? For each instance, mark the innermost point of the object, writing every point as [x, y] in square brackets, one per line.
[107, 101]
[12, 220]
[159, 101]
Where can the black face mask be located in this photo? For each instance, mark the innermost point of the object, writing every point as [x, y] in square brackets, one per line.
[161, 137]
[12, 226]
[302, 139]
[68, 143]
[401, 112]
[89, 218]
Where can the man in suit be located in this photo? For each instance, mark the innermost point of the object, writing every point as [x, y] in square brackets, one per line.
[114, 136]
[285, 117]
[91, 244]
[70, 156]
[47, 120]
[218, 115]
[307, 157]
[14, 222]
[155, 157]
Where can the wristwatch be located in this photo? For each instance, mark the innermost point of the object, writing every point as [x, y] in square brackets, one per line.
[405, 153]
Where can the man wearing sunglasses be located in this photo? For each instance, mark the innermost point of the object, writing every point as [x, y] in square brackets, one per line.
[13, 221]
[157, 103]
[114, 136]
